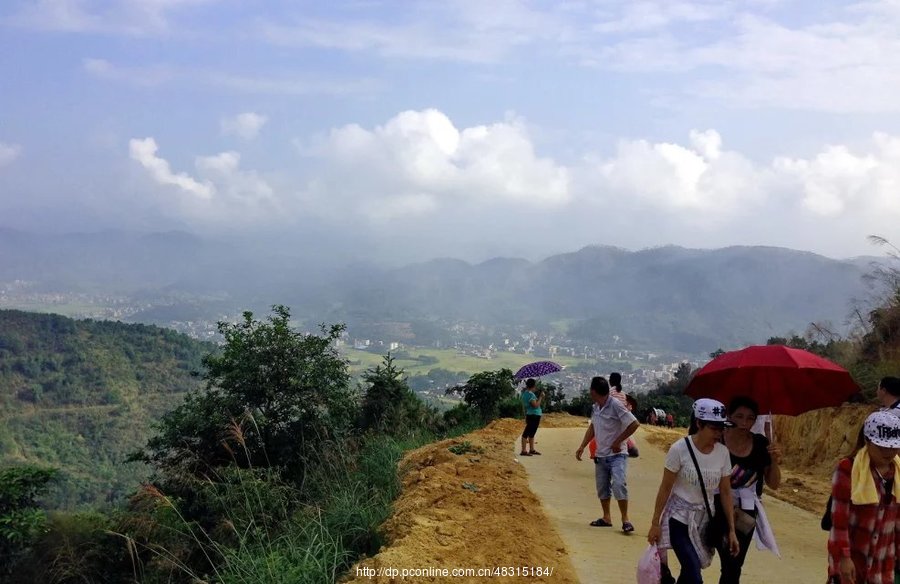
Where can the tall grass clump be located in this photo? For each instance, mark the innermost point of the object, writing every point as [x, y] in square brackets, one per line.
[347, 498]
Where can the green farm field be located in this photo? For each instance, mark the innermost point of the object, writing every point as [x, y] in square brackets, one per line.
[448, 359]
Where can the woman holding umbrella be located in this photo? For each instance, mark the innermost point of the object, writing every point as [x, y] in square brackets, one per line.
[753, 461]
[532, 403]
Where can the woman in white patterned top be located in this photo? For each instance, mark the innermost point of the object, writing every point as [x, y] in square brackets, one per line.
[681, 514]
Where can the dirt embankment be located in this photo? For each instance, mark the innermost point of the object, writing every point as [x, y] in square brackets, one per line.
[811, 445]
[466, 504]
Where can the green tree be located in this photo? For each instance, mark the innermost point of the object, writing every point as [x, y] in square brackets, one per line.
[272, 397]
[389, 405]
[670, 397]
[21, 521]
[581, 404]
[484, 391]
[554, 398]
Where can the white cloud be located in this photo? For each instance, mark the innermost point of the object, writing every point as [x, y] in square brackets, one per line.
[132, 18]
[144, 152]
[641, 16]
[839, 61]
[459, 30]
[837, 181]
[420, 174]
[699, 179]
[843, 58]
[8, 153]
[140, 76]
[419, 162]
[155, 75]
[235, 184]
[221, 194]
[246, 125]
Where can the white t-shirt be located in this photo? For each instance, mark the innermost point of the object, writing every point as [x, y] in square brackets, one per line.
[713, 466]
[610, 421]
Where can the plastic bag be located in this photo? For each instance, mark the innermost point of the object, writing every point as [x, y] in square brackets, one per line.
[648, 571]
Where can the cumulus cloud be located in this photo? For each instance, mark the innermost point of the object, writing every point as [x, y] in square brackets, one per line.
[224, 171]
[699, 178]
[246, 125]
[421, 176]
[420, 161]
[8, 153]
[222, 193]
[144, 152]
[837, 179]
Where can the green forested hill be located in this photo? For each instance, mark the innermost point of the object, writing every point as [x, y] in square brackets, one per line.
[80, 395]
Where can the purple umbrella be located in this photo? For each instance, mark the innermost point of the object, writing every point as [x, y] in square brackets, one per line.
[537, 369]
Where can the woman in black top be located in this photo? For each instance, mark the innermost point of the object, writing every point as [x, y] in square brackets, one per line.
[754, 461]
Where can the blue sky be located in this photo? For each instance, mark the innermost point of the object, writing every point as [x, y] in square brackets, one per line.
[405, 130]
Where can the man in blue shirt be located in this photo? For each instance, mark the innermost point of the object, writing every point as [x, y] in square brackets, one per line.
[532, 404]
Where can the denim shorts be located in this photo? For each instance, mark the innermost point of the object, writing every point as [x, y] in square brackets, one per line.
[609, 472]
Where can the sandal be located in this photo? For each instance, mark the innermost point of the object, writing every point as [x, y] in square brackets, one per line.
[627, 527]
[523, 453]
[600, 523]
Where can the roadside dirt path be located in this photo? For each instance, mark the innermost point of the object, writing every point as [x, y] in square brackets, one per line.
[606, 555]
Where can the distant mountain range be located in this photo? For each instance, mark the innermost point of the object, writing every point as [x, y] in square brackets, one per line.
[667, 297]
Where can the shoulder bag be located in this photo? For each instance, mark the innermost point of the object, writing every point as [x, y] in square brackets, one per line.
[713, 534]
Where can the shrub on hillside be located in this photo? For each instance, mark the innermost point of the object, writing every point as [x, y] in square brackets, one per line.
[281, 393]
[486, 390]
[21, 520]
[511, 407]
[390, 406]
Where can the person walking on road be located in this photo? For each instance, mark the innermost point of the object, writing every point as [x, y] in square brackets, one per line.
[531, 401]
[685, 497]
[754, 460]
[865, 490]
[611, 425]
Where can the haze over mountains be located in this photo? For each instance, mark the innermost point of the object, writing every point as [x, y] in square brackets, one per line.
[665, 298]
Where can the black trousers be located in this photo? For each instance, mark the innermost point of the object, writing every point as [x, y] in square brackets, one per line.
[531, 425]
[732, 565]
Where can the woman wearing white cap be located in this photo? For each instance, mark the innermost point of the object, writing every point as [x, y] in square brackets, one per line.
[685, 498]
[863, 541]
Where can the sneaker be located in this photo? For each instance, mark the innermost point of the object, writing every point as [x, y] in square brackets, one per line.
[534, 453]
[523, 453]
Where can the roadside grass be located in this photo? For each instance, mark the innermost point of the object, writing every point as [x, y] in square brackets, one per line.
[350, 495]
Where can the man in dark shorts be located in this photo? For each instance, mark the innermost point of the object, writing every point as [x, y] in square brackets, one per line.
[532, 403]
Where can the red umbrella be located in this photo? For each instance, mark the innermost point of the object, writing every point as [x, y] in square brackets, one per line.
[782, 380]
